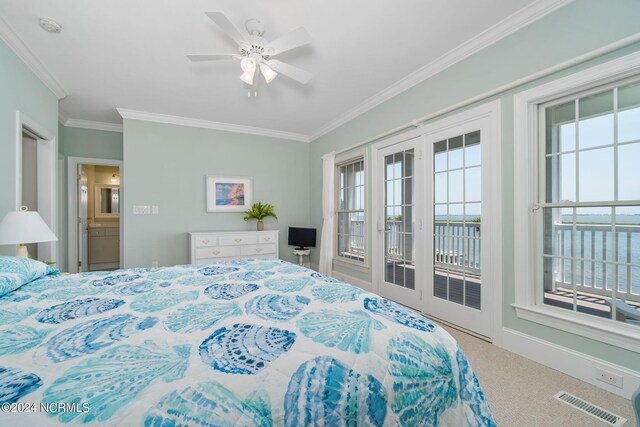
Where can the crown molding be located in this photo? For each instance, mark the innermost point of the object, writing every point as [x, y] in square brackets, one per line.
[29, 59]
[89, 124]
[502, 29]
[206, 124]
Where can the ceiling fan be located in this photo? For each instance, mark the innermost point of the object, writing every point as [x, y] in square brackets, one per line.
[256, 53]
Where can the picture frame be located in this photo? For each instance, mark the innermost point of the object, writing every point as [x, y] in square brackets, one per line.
[229, 194]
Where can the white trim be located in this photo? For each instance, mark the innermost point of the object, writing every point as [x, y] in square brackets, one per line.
[573, 363]
[47, 181]
[207, 124]
[89, 124]
[519, 82]
[30, 60]
[586, 325]
[492, 271]
[72, 211]
[362, 284]
[495, 33]
[527, 233]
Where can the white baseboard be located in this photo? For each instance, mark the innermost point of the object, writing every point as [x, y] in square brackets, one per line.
[570, 362]
[362, 284]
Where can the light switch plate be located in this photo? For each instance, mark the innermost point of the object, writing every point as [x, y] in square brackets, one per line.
[155, 210]
[141, 210]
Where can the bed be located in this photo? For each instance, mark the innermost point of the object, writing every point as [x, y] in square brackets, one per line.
[247, 342]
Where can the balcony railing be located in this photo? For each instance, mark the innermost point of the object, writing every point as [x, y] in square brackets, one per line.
[457, 246]
[589, 254]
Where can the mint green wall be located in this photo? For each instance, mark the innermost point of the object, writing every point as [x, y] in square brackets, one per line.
[20, 90]
[166, 165]
[578, 28]
[89, 143]
[97, 144]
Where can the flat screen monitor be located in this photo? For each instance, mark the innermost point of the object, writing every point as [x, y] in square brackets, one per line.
[302, 237]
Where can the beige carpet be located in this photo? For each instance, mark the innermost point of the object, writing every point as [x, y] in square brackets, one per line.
[521, 391]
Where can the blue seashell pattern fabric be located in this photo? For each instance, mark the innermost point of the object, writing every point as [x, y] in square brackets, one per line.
[239, 343]
[244, 348]
[77, 308]
[276, 307]
[398, 313]
[14, 384]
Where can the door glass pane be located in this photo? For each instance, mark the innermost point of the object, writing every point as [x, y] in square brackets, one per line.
[457, 222]
[399, 208]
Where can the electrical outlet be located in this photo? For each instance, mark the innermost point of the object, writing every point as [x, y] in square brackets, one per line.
[154, 264]
[609, 377]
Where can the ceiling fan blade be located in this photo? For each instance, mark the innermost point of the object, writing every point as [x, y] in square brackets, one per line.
[211, 57]
[226, 25]
[292, 40]
[290, 71]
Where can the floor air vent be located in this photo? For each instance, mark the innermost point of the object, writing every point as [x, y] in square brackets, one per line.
[591, 409]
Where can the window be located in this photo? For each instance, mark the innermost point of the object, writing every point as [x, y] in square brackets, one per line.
[577, 203]
[591, 203]
[350, 212]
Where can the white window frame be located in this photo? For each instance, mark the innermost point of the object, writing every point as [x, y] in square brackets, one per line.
[343, 159]
[528, 232]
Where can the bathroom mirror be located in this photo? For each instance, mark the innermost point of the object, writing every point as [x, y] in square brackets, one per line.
[107, 201]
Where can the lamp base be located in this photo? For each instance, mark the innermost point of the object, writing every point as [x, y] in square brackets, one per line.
[22, 252]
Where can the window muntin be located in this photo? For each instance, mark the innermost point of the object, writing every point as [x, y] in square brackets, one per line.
[457, 205]
[591, 211]
[350, 212]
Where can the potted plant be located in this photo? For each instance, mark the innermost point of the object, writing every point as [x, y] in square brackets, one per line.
[260, 211]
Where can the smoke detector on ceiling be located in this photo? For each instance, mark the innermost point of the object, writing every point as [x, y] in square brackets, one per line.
[50, 26]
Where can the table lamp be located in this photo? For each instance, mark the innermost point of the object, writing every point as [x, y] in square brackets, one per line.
[22, 227]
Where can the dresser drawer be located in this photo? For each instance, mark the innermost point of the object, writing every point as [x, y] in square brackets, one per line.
[93, 232]
[267, 237]
[238, 239]
[205, 241]
[257, 250]
[217, 252]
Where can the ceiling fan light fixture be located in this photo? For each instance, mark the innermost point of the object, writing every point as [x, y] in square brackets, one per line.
[247, 77]
[248, 65]
[267, 73]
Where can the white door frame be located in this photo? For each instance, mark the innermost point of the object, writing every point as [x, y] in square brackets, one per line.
[47, 180]
[492, 199]
[72, 207]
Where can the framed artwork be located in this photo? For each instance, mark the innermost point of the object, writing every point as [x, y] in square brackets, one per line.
[228, 194]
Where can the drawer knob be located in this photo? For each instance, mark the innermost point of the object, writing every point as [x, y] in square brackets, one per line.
[216, 252]
[238, 240]
[266, 239]
[206, 242]
[258, 249]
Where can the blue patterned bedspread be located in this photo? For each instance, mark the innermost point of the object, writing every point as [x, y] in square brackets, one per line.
[241, 343]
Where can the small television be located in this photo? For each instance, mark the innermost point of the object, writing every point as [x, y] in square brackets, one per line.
[302, 238]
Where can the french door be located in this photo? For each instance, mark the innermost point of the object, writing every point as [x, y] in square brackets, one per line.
[456, 291]
[399, 213]
[438, 210]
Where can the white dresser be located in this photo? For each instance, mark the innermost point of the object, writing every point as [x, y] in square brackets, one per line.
[211, 246]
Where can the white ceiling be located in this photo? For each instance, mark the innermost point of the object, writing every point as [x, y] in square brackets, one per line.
[131, 54]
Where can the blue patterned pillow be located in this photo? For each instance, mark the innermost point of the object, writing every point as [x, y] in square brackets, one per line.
[15, 272]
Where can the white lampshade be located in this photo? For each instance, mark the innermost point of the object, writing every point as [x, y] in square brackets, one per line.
[249, 68]
[268, 73]
[22, 227]
[247, 77]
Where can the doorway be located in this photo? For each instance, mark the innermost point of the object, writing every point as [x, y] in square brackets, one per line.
[36, 180]
[437, 203]
[95, 199]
